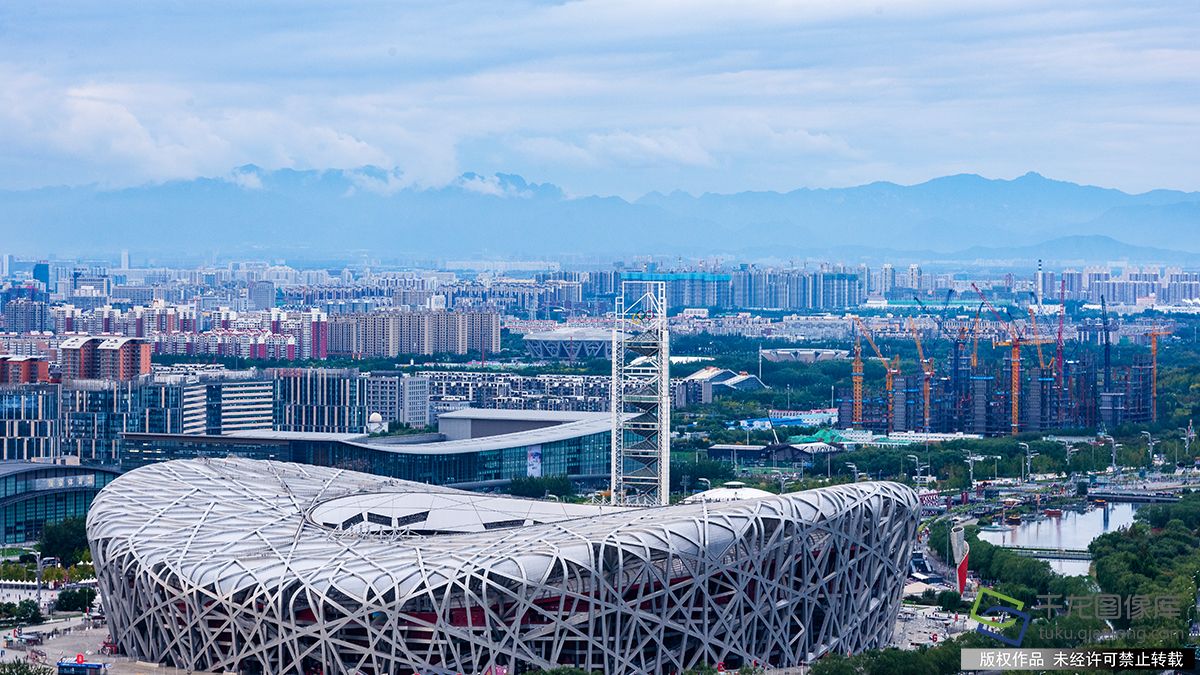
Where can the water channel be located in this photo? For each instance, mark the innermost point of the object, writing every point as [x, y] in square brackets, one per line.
[1071, 530]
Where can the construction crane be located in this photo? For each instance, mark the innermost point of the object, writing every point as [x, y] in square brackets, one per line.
[926, 367]
[959, 340]
[1154, 335]
[1107, 345]
[891, 370]
[856, 376]
[1060, 376]
[975, 337]
[1033, 321]
[1014, 342]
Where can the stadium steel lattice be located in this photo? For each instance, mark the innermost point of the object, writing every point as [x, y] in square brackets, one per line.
[256, 566]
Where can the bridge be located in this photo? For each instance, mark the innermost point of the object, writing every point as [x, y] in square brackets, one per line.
[1050, 553]
[1134, 496]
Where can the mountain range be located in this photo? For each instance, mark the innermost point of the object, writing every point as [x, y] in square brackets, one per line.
[371, 210]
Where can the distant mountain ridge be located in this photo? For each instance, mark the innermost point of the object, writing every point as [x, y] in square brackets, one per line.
[372, 209]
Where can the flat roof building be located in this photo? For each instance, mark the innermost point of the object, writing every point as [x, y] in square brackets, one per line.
[33, 494]
[490, 448]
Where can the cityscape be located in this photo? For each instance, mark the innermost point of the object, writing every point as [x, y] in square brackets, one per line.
[752, 371]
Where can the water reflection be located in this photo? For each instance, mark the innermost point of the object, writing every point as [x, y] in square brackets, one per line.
[1071, 530]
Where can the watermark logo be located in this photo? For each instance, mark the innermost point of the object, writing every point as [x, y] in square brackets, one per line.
[1005, 612]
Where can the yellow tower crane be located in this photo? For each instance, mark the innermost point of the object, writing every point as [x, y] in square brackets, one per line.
[891, 370]
[1154, 335]
[926, 368]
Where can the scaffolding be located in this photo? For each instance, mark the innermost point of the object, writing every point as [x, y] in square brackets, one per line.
[641, 410]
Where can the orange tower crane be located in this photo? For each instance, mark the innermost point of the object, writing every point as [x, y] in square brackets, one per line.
[1015, 340]
[891, 370]
[926, 368]
[1038, 342]
[975, 338]
[856, 376]
[1059, 375]
[1154, 335]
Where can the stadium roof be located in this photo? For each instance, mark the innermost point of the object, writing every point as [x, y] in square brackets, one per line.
[580, 333]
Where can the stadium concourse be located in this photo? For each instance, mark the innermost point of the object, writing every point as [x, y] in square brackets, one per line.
[270, 567]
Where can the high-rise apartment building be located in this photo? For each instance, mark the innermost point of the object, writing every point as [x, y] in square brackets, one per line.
[887, 279]
[122, 358]
[914, 276]
[26, 316]
[392, 333]
[23, 369]
[86, 357]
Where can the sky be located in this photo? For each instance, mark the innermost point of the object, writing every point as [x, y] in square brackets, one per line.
[622, 97]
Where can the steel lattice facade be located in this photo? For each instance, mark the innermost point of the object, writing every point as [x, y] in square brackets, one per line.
[257, 566]
[641, 395]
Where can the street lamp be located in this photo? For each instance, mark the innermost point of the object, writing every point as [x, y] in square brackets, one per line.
[920, 467]
[1150, 445]
[996, 466]
[970, 460]
[1025, 447]
[41, 566]
[782, 481]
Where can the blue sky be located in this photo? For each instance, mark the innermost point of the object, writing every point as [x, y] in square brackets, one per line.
[618, 97]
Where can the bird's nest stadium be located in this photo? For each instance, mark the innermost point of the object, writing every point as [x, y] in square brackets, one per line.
[267, 567]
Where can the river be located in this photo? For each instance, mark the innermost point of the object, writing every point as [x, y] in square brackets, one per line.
[1071, 530]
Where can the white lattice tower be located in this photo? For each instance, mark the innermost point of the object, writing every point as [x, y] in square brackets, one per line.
[641, 396]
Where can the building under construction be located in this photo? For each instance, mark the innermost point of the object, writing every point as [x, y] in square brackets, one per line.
[1011, 390]
[979, 400]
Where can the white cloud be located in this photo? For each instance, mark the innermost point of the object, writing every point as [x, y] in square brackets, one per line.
[619, 96]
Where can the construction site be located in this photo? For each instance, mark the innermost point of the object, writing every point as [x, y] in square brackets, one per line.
[1022, 380]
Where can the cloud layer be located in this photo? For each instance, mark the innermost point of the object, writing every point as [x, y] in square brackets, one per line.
[622, 97]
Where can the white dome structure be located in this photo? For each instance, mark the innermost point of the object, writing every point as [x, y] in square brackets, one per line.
[267, 567]
[731, 491]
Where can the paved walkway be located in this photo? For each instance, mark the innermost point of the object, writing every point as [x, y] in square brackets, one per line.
[87, 641]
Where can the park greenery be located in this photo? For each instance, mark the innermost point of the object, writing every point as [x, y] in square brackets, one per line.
[23, 613]
[24, 668]
[75, 599]
[542, 487]
[65, 540]
[1156, 559]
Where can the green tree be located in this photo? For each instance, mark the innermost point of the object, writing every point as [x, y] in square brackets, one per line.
[81, 571]
[27, 612]
[949, 600]
[23, 668]
[65, 540]
[75, 600]
[539, 488]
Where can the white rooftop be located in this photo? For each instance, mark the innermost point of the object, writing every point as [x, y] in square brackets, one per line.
[426, 513]
[559, 416]
[732, 491]
[582, 333]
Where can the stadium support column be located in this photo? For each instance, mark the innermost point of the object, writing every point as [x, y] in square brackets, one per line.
[641, 405]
